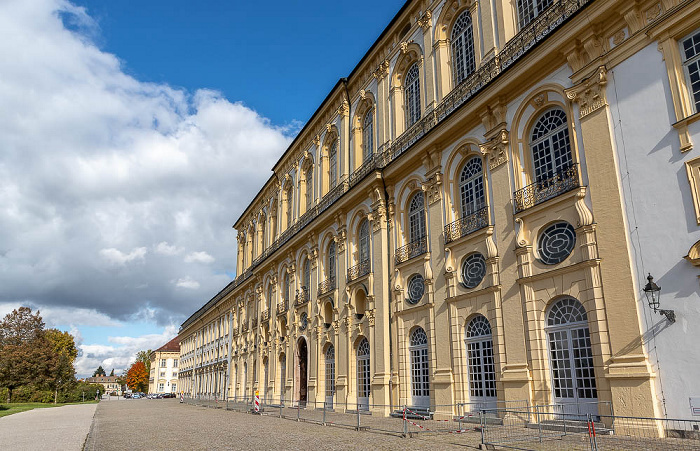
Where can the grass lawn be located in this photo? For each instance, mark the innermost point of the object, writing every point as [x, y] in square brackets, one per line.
[9, 409]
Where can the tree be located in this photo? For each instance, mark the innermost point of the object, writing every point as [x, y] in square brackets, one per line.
[63, 372]
[99, 372]
[145, 357]
[26, 356]
[137, 377]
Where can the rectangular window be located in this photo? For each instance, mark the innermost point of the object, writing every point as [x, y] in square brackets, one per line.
[162, 374]
[175, 374]
[690, 53]
[161, 387]
[174, 388]
[174, 363]
[163, 362]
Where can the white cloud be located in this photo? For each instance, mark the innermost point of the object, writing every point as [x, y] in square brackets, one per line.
[199, 257]
[98, 167]
[164, 248]
[117, 257]
[187, 282]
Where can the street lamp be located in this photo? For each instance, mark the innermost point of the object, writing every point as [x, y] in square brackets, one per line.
[653, 293]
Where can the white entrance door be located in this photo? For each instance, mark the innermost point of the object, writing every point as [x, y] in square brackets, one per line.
[363, 385]
[480, 366]
[571, 359]
[420, 374]
[330, 376]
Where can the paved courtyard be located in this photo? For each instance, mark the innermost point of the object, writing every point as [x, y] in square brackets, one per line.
[165, 424]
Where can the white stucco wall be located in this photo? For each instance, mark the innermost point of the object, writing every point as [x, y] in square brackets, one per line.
[661, 221]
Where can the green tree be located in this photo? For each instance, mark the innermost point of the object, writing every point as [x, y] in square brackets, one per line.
[99, 372]
[63, 371]
[26, 356]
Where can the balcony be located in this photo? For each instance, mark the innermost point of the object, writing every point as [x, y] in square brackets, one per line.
[467, 224]
[358, 271]
[411, 250]
[326, 286]
[265, 316]
[282, 307]
[541, 191]
[302, 296]
[529, 37]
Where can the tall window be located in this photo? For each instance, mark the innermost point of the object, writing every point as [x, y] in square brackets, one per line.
[309, 187]
[364, 241]
[480, 366]
[551, 149]
[420, 375]
[529, 9]
[331, 260]
[333, 164]
[690, 52]
[269, 297]
[570, 354]
[416, 218]
[330, 376]
[368, 135]
[412, 95]
[307, 273]
[363, 375]
[471, 187]
[463, 58]
[289, 206]
[283, 377]
[287, 286]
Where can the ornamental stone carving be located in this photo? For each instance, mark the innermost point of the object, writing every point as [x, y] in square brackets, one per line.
[496, 149]
[590, 93]
[425, 21]
[433, 187]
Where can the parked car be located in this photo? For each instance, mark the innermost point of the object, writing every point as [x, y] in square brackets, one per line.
[170, 395]
[136, 396]
[127, 395]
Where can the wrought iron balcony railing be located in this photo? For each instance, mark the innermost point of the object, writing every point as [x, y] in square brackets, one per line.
[358, 271]
[467, 224]
[538, 192]
[282, 307]
[411, 250]
[265, 316]
[302, 296]
[551, 19]
[326, 286]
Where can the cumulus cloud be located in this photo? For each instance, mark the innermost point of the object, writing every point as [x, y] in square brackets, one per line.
[98, 167]
[199, 257]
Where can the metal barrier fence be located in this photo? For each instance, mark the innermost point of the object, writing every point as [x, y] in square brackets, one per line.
[511, 424]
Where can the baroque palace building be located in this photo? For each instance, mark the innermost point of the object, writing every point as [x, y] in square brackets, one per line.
[470, 217]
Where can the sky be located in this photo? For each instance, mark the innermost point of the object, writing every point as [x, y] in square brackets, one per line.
[132, 136]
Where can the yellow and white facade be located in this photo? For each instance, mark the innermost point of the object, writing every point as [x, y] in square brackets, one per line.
[455, 224]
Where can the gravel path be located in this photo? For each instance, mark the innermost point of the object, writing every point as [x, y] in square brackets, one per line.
[165, 424]
[55, 428]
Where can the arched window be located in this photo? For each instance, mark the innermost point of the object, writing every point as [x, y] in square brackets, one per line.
[570, 355]
[363, 375]
[412, 95]
[368, 135]
[330, 376]
[529, 9]
[309, 187]
[287, 286]
[266, 392]
[416, 218]
[471, 187]
[480, 366]
[290, 201]
[364, 241]
[307, 273]
[333, 164]
[420, 381]
[269, 297]
[245, 381]
[331, 260]
[551, 149]
[463, 58]
[283, 377]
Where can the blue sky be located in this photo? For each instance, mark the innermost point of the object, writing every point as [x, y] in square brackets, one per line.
[280, 58]
[134, 134]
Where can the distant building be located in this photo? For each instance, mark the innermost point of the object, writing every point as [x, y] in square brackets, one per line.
[164, 368]
[110, 384]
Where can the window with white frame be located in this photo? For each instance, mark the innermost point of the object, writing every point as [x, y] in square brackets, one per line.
[368, 135]
[416, 218]
[529, 9]
[174, 388]
[463, 59]
[550, 144]
[471, 187]
[331, 260]
[162, 374]
[412, 95]
[174, 363]
[163, 362]
[364, 241]
[309, 187]
[161, 386]
[690, 53]
[333, 164]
